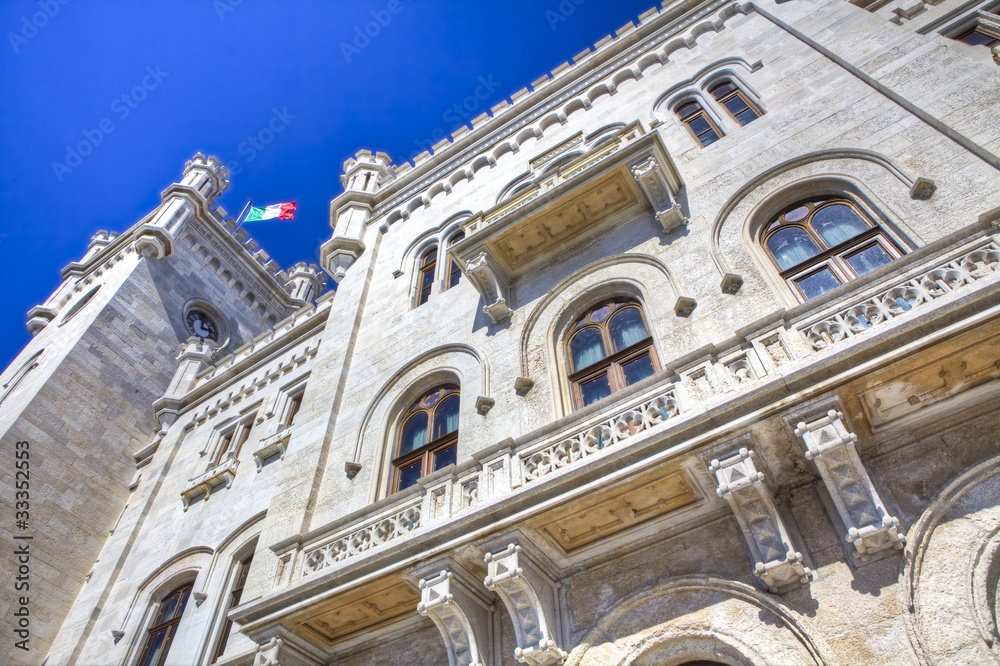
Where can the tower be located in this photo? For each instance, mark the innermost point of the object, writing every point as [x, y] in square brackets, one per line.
[104, 349]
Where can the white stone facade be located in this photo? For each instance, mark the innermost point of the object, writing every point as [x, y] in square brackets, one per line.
[798, 481]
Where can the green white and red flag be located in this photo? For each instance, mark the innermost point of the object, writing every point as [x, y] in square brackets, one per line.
[281, 211]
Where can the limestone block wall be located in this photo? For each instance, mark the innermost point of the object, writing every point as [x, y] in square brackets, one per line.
[157, 542]
[86, 409]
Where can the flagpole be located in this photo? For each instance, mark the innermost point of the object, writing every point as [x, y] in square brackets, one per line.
[242, 215]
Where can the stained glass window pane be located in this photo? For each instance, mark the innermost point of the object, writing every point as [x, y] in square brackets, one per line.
[791, 246]
[595, 389]
[868, 259]
[626, 329]
[414, 433]
[446, 417]
[586, 348]
[837, 223]
[638, 369]
[818, 283]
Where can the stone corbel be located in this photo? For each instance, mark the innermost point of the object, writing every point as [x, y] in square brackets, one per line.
[652, 180]
[483, 271]
[520, 575]
[339, 254]
[459, 608]
[283, 648]
[742, 486]
[870, 528]
[153, 242]
[39, 317]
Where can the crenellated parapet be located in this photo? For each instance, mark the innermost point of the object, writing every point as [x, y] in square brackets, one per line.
[305, 281]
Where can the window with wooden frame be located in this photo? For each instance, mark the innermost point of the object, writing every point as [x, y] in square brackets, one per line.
[231, 442]
[454, 272]
[428, 262]
[735, 101]
[819, 244]
[428, 436]
[699, 123]
[609, 348]
[294, 404]
[239, 582]
[161, 633]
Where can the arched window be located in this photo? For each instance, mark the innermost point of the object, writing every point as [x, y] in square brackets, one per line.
[427, 264]
[819, 244]
[609, 348]
[454, 272]
[696, 120]
[242, 569]
[736, 102]
[161, 634]
[428, 436]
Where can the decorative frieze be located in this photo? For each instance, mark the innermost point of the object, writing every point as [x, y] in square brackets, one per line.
[777, 563]
[905, 296]
[870, 528]
[518, 574]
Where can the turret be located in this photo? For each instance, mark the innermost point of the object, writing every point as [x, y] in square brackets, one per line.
[204, 178]
[305, 281]
[364, 176]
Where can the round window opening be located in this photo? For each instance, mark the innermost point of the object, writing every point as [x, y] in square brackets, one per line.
[201, 325]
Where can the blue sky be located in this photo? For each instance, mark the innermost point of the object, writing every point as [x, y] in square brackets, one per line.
[145, 85]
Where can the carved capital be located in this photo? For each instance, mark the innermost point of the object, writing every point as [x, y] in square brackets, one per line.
[742, 486]
[829, 444]
[517, 573]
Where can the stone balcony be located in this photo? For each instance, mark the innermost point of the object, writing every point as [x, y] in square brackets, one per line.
[633, 465]
[616, 178]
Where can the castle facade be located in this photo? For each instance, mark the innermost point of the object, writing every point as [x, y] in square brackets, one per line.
[688, 353]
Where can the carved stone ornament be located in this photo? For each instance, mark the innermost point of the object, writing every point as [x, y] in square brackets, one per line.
[286, 649]
[649, 175]
[337, 255]
[870, 528]
[528, 593]
[483, 274]
[777, 564]
[450, 599]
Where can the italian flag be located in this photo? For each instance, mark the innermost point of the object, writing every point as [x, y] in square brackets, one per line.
[282, 211]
